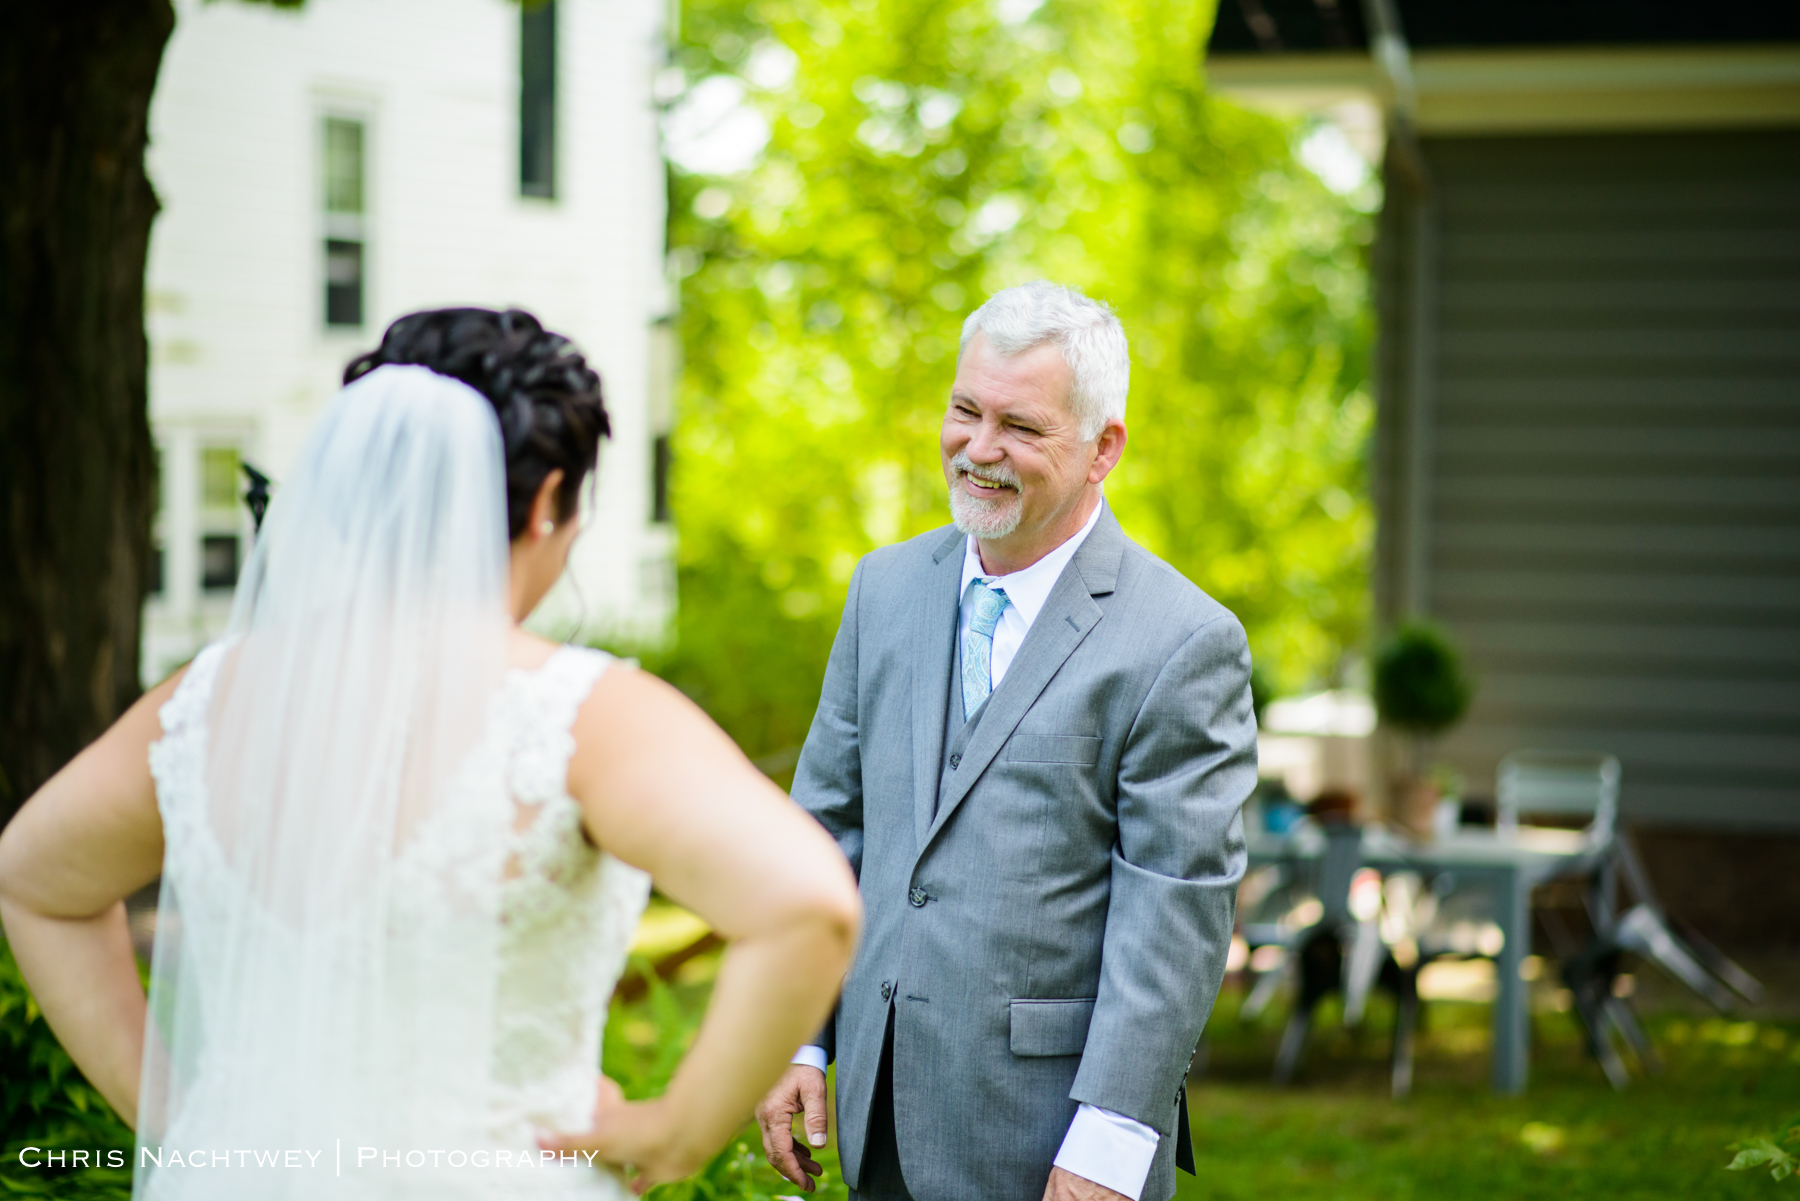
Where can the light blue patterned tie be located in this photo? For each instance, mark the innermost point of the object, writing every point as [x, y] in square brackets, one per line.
[986, 605]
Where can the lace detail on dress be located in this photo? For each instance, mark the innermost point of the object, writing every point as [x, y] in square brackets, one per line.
[178, 758]
[567, 911]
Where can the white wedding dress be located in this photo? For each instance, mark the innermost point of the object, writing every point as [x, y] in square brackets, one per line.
[567, 913]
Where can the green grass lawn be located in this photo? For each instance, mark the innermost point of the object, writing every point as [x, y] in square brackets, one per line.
[1337, 1134]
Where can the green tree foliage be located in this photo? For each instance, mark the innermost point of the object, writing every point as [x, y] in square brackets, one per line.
[923, 154]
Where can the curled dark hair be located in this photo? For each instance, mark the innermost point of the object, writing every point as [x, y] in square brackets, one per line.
[548, 399]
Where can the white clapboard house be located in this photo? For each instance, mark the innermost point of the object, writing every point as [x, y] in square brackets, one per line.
[1587, 453]
[325, 170]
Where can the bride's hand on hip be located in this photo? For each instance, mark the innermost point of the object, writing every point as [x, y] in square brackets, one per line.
[634, 1136]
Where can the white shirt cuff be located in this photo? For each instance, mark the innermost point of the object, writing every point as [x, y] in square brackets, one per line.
[1109, 1149]
[811, 1056]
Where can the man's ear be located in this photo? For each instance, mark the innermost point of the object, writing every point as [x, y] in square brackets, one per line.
[1108, 448]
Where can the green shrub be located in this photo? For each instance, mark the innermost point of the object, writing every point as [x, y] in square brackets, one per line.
[46, 1102]
[645, 1041]
[1420, 685]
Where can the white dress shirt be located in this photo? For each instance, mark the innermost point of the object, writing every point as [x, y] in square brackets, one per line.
[1026, 591]
[1102, 1146]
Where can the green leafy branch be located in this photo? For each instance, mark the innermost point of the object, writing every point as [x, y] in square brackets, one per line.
[1766, 1152]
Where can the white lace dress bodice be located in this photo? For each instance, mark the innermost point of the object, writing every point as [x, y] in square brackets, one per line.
[567, 911]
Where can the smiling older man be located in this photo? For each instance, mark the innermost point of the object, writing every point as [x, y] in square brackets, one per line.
[1033, 742]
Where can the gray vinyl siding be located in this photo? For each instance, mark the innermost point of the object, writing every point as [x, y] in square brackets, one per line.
[1614, 448]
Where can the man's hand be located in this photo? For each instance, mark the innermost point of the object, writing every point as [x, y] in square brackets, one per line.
[1067, 1186]
[801, 1089]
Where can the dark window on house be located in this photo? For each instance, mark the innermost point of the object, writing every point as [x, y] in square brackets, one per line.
[343, 282]
[156, 528]
[221, 517]
[537, 99]
[219, 561]
[660, 459]
[345, 208]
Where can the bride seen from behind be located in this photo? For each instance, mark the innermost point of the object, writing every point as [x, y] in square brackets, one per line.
[403, 843]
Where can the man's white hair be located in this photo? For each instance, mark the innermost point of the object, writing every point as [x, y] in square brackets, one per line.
[1090, 337]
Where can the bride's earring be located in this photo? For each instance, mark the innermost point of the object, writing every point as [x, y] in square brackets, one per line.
[546, 528]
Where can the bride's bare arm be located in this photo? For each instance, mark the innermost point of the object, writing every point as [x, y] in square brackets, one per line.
[88, 838]
[662, 787]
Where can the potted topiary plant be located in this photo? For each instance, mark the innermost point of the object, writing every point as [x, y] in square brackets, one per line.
[1421, 690]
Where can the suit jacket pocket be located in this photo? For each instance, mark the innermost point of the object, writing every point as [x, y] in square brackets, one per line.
[1059, 1027]
[1053, 748]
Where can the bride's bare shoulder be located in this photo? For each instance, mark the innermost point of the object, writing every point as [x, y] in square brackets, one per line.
[627, 695]
[526, 650]
[632, 718]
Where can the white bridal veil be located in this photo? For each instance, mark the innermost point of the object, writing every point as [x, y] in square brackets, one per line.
[327, 945]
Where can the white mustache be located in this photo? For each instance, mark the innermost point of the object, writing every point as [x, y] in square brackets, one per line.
[1000, 473]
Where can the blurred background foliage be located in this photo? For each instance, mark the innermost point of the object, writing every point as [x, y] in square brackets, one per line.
[922, 154]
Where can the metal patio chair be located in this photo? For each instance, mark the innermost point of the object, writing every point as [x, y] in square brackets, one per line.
[1586, 784]
[1344, 952]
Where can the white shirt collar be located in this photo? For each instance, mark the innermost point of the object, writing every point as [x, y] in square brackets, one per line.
[1029, 588]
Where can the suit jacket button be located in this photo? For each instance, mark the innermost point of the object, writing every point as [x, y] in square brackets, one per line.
[918, 897]
[955, 762]
[887, 991]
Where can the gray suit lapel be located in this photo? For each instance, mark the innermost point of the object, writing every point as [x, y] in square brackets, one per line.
[1065, 620]
[934, 644]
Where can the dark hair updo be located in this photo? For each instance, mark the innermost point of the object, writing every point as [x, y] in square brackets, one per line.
[547, 397]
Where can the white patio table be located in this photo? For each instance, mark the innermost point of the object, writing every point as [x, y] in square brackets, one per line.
[1511, 863]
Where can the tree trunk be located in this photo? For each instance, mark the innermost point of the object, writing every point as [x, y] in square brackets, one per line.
[77, 470]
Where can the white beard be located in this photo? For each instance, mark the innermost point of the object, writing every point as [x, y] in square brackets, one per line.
[984, 519]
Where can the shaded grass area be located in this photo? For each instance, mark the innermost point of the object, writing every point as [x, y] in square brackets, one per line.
[1337, 1134]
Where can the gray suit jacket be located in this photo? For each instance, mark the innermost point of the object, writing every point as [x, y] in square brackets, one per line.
[1049, 897]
